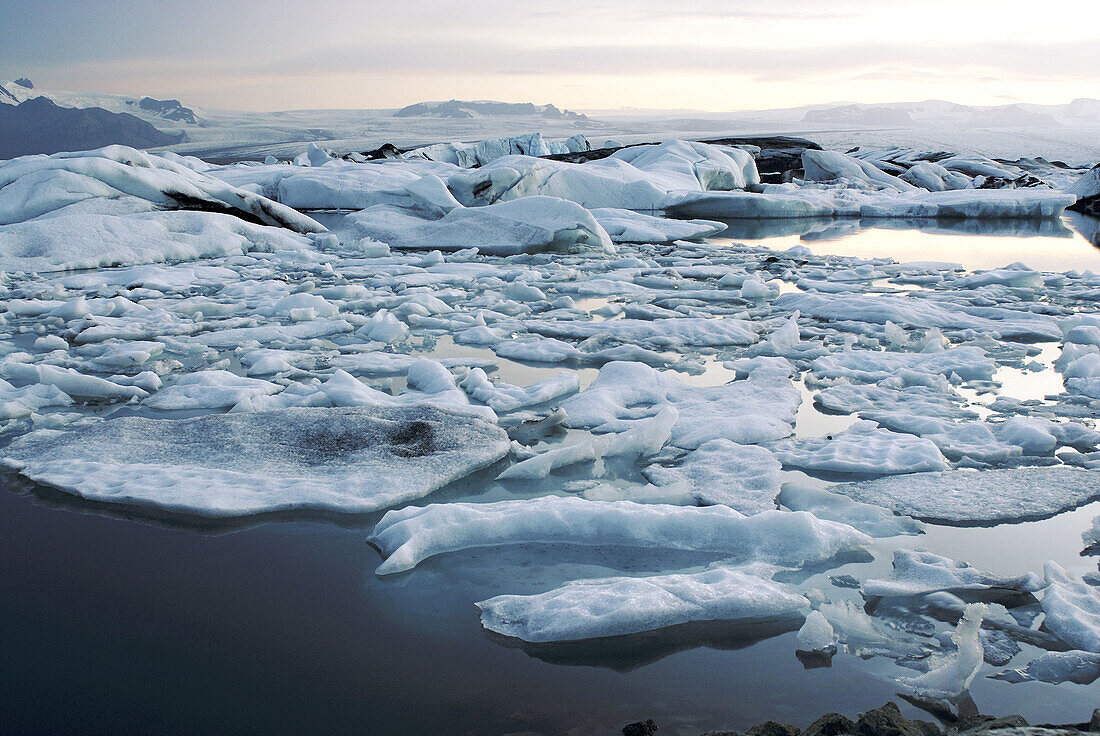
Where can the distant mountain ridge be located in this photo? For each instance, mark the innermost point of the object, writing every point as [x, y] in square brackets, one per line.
[38, 125]
[485, 108]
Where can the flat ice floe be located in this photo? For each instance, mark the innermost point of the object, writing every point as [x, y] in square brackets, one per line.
[406, 537]
[862, 449]
[758, 409]
[346, 460]
[919, 572]
[744, 477]
[587, 609]
[980, 497]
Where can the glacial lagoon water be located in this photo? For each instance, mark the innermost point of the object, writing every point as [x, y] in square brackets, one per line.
[111, 620]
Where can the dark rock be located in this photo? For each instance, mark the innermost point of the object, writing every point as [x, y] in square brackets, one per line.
[648, 727]
[24, 82]
[169, 110]
[984, 724]
[830, 724]
[886, 721]
[39, 126]
[1087, 206]
[774, 728]
[1094, 723]
[386, 150]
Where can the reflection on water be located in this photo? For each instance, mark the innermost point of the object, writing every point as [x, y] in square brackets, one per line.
[1072, 242]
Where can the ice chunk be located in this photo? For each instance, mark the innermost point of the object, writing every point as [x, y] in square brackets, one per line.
[676, 332]
[862, 449]
[968, 497]
[210, 390]
[935, 178]
[347, 460]
[646, 437]
[743, 477]
[627, 226]
[408, 536]
[953, 677]
[70, 381]
[917, 572]
[967, 362]
[16, 403]
[1055, 667]
[915, 312]
[833, 165]
[68, 241]
[506, 228]
[122, 178]
[588, 609]
[1072, 609]
[816, 634]
[504, 397]
[868, 518]
[758, 409]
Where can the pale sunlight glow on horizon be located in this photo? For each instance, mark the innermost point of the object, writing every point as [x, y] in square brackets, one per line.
[706, 55]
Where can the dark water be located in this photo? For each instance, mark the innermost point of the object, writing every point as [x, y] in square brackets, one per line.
[119, 626]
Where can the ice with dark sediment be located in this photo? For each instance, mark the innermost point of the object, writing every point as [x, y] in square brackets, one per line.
[348, 460]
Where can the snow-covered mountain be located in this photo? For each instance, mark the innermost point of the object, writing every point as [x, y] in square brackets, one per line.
[460, 109]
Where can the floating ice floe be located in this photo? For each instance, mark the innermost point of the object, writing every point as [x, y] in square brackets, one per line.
[1056, 667]
[588, 609]
[862, 449]
[744, 477]
[16, 403]
[645, 437]
[917, 572]
[406, 537]
[215, 389]
[504, 397]
[966, 362]
[868, 518]
[1072, 609]
[72, 382]
[656, 334]
[916, 312]
[758, 409]
[352, 460]
[969, 497]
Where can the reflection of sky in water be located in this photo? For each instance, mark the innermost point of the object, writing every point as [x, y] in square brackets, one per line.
[1046, 245]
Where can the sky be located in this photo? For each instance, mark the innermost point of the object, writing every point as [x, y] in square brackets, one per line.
[715, 55]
